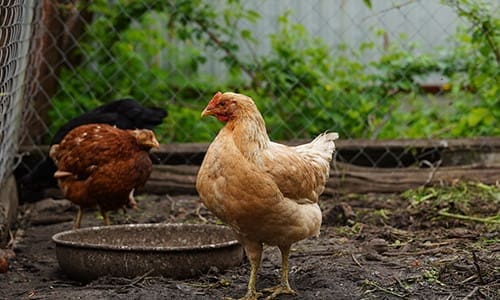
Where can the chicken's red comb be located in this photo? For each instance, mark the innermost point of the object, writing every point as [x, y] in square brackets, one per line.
[215, 98]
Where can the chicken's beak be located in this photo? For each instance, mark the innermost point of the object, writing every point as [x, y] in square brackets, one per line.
[61, 174]
[207, 111]
[154, 143]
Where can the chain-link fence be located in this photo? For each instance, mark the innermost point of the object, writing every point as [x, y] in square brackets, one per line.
[370, 70]
[16, 18]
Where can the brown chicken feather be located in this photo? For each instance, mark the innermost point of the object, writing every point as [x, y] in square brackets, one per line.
[267, 192]
[101, 165]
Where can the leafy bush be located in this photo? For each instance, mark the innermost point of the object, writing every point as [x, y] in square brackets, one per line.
[474, 66]
[153, 51]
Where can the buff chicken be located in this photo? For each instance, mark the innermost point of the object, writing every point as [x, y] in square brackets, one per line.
[266, 192]
[101, 165]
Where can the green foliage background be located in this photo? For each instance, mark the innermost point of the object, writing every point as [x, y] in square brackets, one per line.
[153, 50]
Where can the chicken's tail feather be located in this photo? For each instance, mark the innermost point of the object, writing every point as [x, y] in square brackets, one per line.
[324, 142]
[326, 136]
[321, 148]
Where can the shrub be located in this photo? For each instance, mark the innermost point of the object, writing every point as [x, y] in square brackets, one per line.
[154, 50]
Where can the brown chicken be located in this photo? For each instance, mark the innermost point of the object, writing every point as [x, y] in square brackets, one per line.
[101, 165]
[267, 192]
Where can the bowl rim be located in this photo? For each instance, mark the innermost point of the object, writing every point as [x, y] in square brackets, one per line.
[58, 238]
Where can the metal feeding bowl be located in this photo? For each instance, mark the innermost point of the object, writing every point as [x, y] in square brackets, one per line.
[170, 250]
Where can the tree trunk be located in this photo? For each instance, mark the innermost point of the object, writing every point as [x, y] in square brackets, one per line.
[55, 37]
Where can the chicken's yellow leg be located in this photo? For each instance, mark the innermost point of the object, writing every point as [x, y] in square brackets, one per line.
[105, 217]
[131, 200]
[284, 286]
[254, 254]
[78, 218]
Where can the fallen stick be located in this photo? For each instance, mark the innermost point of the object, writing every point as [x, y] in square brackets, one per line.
[368, 282]
[445, 249]
[469, 296]
[468, 279]
[314, 253]
[355, 260]
[478, 269]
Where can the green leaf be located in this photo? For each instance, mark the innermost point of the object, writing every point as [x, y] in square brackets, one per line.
[252, 16]
[477, 115]
[246, 34]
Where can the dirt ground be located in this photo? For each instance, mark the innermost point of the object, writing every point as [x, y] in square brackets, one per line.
[381, 249]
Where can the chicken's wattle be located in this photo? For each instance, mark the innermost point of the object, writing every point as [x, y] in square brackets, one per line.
[222, 117]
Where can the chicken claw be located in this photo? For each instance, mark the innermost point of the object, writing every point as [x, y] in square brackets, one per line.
[279, 290]
[198, 212]
[251, 296]
[248, 296]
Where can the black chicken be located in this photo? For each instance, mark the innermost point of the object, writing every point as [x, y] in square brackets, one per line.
[123, 113]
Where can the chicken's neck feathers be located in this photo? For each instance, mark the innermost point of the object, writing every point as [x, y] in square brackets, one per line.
[249, 134]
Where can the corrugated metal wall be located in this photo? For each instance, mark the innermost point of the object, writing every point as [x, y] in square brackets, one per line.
[427, 23]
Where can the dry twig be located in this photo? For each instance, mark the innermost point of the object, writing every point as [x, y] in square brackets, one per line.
[469, 296]
[468, 279]
[478, 269]
[355, 260]
[378, 287]
[434, 167]
[445, 249]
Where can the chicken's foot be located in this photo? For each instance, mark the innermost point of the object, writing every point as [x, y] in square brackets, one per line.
[284, 286]
[198, 212]
[279, 290]
[131, 200]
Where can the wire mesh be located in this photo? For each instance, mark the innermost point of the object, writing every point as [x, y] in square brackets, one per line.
[393, 70]
[16, 24]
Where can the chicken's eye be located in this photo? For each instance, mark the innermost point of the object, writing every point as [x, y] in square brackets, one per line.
[222, 104]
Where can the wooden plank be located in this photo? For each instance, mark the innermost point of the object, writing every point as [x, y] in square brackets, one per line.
[461, 143]
[172, 179]
[344, 178]
[176, 165]
[487, 143]
[374, 153]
